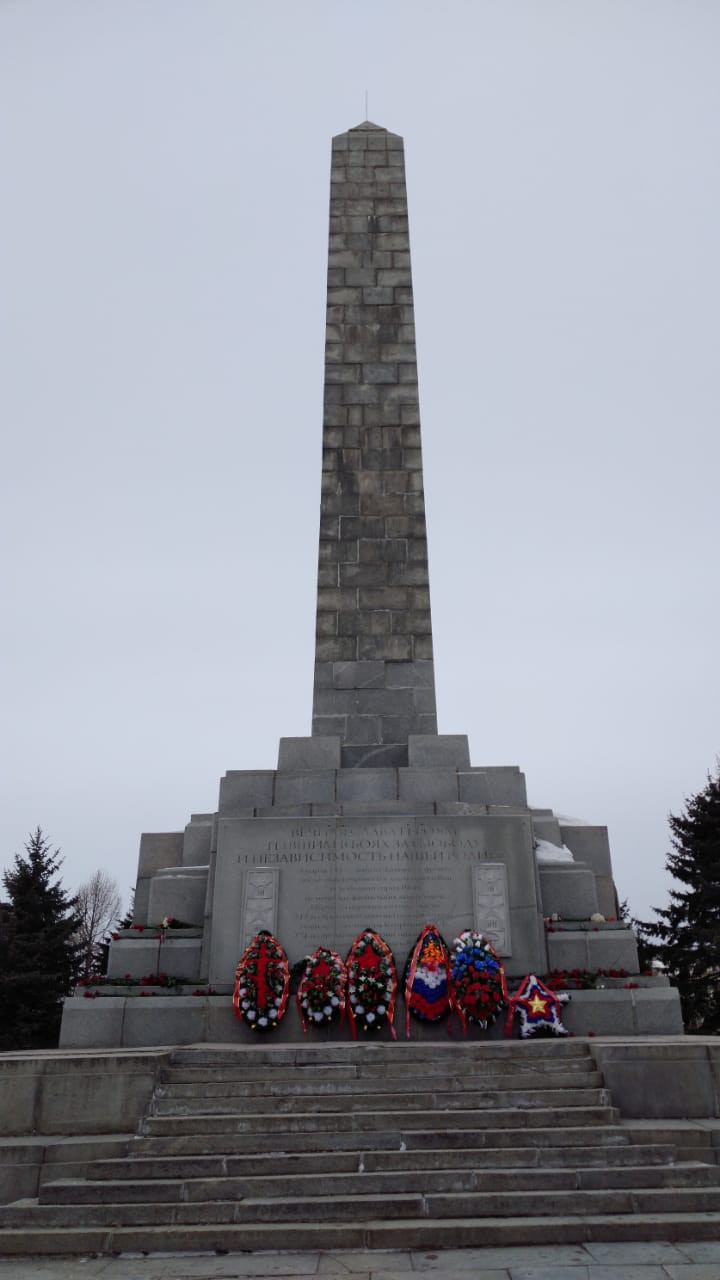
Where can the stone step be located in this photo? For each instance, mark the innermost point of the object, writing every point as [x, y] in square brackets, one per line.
[432, 1069]
[442, 1100]
[280, 1184]
[328, 1055]
[390, 1139]
[338, 1121]
[326, 1162]
[354, 1208]
[692, 1140]
[289, 1085]
[399, 1234]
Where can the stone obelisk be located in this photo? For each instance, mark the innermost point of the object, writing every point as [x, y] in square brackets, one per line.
[374, 677]
[376, 819]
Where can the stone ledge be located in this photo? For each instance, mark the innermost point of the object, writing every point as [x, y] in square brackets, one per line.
[438, 751]
[608, 1013]
[297, 754]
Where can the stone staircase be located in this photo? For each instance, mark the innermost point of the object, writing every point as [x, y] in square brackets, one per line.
[374, 1145]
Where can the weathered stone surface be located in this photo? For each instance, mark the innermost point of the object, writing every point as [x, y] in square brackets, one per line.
[180, 1020]
[56, 1093]
[318, 752]
[306, 787]
[159, 849]
[197, 842]
[670, 1078]
[590, 844]
[178, 893]
[438, 751]
[244, 789]
[371, 785]
[371, 373]
[137, 957]
[593, 949]
[568, 890]
[507, 785]
[337, 875]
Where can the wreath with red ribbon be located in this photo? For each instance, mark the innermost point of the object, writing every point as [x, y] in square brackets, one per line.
[262, 983]
[478, 989]
[372, 984]
[321, 994]
[427, 978]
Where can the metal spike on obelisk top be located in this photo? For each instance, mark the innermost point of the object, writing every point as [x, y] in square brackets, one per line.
[374, 676]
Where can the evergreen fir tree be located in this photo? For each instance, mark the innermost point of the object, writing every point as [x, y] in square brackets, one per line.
[40, 956]
[686, 935]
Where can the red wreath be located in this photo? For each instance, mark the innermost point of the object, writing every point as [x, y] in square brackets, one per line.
[321, 994]
[372, 983]
[262, 983]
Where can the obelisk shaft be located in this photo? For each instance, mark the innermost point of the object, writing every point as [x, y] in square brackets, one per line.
[374, 677]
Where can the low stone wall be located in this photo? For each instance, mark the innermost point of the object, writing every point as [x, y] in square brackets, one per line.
[53, 1092]
[677, 1078]
[60, 1110]
[138, 1021]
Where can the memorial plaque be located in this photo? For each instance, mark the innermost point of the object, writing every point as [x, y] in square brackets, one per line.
[319, 882]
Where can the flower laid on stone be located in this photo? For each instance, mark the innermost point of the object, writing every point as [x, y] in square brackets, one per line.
[262, 983]
[372, 984]
[580, 979]
[321, 994]
[147, 980]
[477, 991]
[427, 978]
[538, 1007]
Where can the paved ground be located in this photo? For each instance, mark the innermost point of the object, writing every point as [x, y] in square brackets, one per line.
[660, 1261]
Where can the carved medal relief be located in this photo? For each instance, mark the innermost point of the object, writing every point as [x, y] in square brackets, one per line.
[491, 906]
[261, 901]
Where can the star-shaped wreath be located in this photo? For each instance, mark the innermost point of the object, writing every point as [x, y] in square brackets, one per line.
[538, 1006]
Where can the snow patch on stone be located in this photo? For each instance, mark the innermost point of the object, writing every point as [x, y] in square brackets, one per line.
[547, 852]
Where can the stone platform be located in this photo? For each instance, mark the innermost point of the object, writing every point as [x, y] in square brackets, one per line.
[609, 1260]
[315, 853]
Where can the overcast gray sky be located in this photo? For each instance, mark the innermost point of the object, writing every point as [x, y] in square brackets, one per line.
[164, 174]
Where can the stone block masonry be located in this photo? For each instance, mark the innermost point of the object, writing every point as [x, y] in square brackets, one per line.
[376, 820]
[374, 678]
